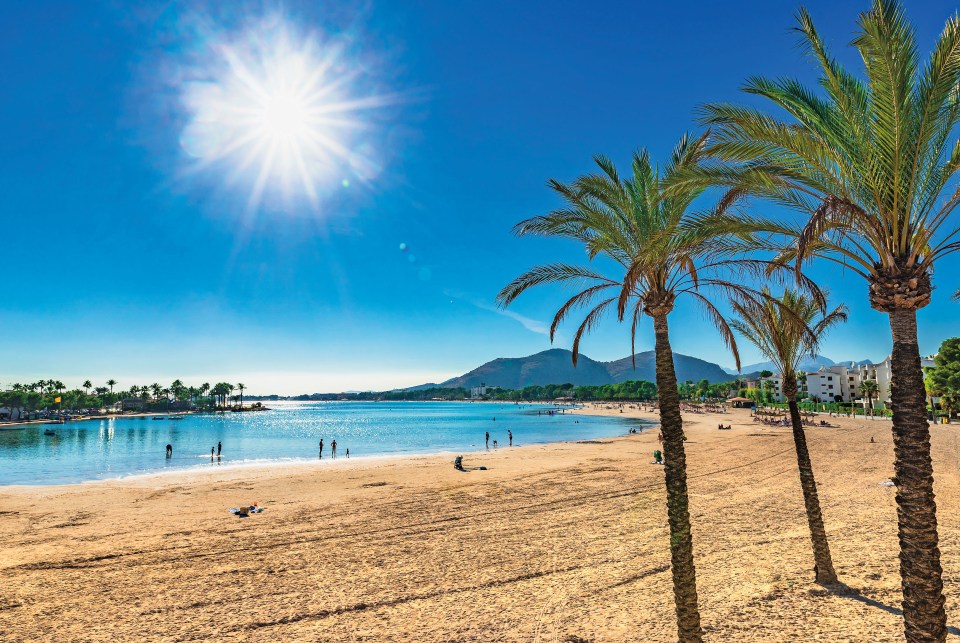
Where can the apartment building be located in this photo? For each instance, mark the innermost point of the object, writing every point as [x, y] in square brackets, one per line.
[838, 383]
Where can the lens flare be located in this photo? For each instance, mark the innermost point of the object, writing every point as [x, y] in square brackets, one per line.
[277, 112]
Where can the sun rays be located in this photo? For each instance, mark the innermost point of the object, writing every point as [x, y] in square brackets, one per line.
[279, 114]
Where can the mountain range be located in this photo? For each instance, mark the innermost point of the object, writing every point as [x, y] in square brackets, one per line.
[555, 366]
[809, 364]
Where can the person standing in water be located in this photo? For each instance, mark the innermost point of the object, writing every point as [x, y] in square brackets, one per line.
[333, 449]
[219, 448]
[348, 454]
[212, 449]
[488, 439]
[510, 435]
[169, 450]
[321, 448]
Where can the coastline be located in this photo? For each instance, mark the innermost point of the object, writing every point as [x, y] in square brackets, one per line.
[16, 426]
[551, 541]
[295, 459]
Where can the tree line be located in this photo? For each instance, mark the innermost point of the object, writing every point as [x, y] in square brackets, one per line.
[43, 394]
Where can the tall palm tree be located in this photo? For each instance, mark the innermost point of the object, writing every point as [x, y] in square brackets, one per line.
[661, 254]
[870, 389]
[240, 388]
[871, 166]
[786, 331]
[111, 383]
[87, 385]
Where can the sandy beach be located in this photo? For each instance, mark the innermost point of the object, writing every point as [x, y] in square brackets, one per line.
[560, 542]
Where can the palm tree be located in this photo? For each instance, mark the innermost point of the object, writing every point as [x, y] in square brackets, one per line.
[870, 389]
[869, 164]
[156, 389]
[240, 388]
[949, 403]
[111, 383]
[786, 331]
[662, 254]
[87, 385]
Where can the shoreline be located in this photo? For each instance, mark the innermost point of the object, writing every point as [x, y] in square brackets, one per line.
[301, 464]
[558, 540]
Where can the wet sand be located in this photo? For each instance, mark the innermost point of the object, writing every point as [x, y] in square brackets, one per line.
[561, 542]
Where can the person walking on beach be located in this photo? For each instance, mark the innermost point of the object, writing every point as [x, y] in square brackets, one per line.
[488, 439]
[333, 449]
[510, 435]
[219, 448]
[169, 450]
[321, 448]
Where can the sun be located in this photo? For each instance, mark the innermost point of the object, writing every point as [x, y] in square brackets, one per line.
[276, 112]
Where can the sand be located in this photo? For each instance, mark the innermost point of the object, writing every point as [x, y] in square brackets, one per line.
[562, 542]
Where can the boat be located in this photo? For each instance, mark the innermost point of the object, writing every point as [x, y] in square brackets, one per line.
[49, 432]
[159, 417]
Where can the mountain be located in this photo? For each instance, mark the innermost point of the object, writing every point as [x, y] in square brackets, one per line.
[808, 364]
[554, 366]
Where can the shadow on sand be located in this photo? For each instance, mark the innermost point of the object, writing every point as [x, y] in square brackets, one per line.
[845, 591]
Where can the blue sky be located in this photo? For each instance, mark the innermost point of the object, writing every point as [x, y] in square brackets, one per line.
[126, 258]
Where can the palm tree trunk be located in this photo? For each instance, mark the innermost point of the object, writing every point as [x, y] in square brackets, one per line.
[678, 504]
[822, 561]
[920, 571]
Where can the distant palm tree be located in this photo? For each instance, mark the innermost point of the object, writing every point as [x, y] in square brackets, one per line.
[157, 390]
[872, 166]
[87, 386]
[786, 331]
[111, 383]
[949, 402]
[870, 389]
[240, 388]
[662, 253]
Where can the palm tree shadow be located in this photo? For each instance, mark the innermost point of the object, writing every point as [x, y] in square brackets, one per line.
[845, 591]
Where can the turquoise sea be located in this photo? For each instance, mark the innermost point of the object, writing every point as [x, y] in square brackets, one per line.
[290, 431]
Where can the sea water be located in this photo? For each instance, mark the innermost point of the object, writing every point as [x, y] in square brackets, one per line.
[288, 432]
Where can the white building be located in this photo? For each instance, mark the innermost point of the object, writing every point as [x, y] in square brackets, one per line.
[842, 382]
[831, 384]
[777, 390]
